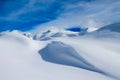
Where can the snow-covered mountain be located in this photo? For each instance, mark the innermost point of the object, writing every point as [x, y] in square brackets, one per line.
[112, 27]
[53, 33]
[109, 31]
[59, 55]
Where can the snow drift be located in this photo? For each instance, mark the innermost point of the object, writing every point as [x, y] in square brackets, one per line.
[60, 53]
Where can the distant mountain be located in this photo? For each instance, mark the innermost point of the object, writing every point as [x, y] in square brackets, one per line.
[112, 27]
[29, 35]
[53, 33]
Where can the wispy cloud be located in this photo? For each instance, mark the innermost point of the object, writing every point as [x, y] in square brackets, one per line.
[93, 14]
[60, 13]
[30, 13]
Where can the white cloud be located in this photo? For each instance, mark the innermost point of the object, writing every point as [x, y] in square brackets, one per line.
[93, 14]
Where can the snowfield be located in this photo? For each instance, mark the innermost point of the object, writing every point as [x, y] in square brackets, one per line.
[64, 56]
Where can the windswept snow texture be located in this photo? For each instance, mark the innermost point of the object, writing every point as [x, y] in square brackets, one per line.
[60, 53]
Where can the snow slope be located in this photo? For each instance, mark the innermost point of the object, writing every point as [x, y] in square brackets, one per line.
[102, 53]
[82, 58]
[112, 27]
[60, 53]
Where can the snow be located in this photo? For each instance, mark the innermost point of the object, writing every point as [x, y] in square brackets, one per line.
[60, 53]
[82, 57]
[54, 32]
[102, 53]
[112, 27]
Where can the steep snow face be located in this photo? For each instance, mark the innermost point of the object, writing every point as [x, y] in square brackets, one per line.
[113, 27]
[103, 53]
[104, 34]
[60, 53]
[19, 60]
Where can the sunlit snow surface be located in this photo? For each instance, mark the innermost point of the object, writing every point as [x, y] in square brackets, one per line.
[94, 56]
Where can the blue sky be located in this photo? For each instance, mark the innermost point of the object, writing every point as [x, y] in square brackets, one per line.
[27, 15]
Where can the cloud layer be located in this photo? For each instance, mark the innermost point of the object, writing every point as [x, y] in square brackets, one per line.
[26, 14]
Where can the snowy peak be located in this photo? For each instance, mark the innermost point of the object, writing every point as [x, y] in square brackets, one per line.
[53, 33]
[29, 35]
[112, 27]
